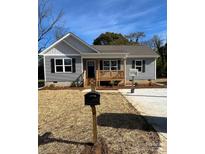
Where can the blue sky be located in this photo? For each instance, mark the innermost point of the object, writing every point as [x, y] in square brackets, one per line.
[89, 18]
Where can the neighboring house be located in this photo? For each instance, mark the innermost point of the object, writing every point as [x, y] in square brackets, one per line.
[71, 61]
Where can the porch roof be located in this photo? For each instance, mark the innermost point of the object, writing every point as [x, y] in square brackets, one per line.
[104, 55]
[130, 50]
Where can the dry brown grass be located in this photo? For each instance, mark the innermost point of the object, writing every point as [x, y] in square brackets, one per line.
[65, 124]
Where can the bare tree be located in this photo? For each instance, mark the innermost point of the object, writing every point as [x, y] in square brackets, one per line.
[157, 42]
[60, 31]
[148, 43]
[46, 22]
[134, 37]
[158, 45]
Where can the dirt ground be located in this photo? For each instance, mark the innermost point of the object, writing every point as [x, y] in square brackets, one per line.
[65, 124]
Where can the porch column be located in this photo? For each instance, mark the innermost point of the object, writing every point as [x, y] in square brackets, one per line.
[84, 78]
[84, 73]
[97, 73]
[124, 60]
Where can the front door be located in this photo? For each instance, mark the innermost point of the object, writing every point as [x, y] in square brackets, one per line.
[90, 69]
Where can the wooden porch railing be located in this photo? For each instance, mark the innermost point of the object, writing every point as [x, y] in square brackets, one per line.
[84, 79]
[111, 75]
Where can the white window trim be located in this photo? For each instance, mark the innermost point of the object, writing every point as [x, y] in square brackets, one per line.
[114, 66]
[63, 65]
[58, 65]
[110, 65]
[106, 66]
[139, 65]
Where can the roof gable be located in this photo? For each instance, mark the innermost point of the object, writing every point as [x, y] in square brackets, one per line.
[79, 44]
[73, 42]
[62, 49]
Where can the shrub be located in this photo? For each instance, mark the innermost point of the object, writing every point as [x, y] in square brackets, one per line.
[161, 69]
[51, 86]
[41, 83]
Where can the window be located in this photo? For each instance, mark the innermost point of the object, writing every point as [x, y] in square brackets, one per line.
[106, 65]
[110, 65]
[114, 65]
[63, 65]
[138, 65]
[68, 65]
[59, 65]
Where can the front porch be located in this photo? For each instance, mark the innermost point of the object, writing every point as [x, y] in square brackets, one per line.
[100, 70]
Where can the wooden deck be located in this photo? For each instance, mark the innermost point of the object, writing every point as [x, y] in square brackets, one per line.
[104, 75]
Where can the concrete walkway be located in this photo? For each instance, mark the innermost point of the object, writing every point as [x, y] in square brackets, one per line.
[152, 103]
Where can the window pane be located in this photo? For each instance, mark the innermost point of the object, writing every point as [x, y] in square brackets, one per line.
[106, 63]
[139, 69]
[59, 62]
[113, 63]
[90, 63]
[138, 63]
[67, 68]
[113, 68]
[67, 61]
[59, 68]
[106, 68]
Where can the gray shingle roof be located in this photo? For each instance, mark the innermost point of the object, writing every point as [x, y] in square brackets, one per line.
[135, 50]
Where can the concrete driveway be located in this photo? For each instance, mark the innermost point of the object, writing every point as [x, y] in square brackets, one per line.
[152, 103]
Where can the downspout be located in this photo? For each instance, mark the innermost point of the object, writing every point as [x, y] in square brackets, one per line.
[155, 68]
[44, 67]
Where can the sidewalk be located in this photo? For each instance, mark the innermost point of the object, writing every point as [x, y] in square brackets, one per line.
[152, 104]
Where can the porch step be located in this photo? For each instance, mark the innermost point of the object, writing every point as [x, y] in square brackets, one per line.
[89, 81]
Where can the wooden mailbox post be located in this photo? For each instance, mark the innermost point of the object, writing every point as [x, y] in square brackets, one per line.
[93, 98]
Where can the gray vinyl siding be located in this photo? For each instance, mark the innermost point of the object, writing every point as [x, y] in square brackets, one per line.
[149, 69]
[62, 77]
[79, 45]
[62, 48]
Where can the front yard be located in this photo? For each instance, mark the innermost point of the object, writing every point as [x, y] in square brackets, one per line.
[65, 124]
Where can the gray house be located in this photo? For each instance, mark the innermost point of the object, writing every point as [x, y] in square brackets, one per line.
[71, 61]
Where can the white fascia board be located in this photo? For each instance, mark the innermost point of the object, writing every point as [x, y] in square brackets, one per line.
[52, 45]
[102, 55]
[142, 56]
[62, 55]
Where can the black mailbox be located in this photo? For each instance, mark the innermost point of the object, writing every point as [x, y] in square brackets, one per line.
[92, 98]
